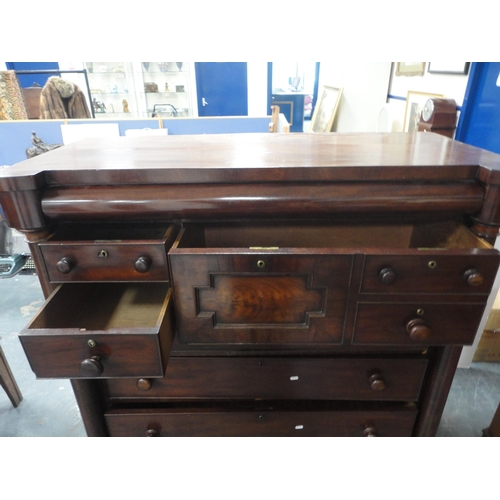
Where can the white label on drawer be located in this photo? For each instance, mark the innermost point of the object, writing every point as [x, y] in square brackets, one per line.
[299, 427]
[294, 377]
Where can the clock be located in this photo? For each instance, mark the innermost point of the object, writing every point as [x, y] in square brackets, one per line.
[440, 116]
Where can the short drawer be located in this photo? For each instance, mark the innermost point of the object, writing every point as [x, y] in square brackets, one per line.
[101, 330]
[430, 273]
[421, 323]
[108, 253]
[279, 378]
[193, 421]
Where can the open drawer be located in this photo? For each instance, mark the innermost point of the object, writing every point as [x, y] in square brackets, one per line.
[263, 283]
[252, 285]
[108, 252]
[103, 330]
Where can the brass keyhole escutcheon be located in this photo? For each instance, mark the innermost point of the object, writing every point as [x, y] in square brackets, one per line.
[420, 312]
[432, 264]
[91, 343]
[261, 264]
[103, 254]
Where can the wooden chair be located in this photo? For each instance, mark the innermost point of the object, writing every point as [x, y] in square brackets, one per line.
[8, 382]
[278, 122]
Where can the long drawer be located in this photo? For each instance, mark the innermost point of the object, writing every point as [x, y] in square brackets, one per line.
[91, 330]
[194, 421]
[278, 378]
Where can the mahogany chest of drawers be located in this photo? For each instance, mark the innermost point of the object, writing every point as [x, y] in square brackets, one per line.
[258, 285]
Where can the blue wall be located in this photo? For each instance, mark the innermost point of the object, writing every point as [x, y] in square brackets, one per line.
[15, 136]
[28, 80]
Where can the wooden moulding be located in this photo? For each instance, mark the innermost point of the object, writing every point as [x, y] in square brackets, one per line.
[260, 200]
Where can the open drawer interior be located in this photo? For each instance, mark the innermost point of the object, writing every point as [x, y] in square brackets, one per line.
[448, 234]
[103, 307]
[111, 232]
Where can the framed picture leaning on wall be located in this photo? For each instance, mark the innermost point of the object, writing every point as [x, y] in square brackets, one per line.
[326, 109]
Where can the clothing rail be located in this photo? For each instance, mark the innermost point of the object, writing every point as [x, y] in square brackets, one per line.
[57, 72]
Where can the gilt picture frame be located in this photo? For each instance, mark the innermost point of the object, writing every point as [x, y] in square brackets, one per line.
[410, 68]
[414, 104]
[326, 109]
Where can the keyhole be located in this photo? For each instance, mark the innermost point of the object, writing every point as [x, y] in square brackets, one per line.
[103, 254]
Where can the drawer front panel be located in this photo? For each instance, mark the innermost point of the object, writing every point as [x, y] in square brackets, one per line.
[105, 262]
[417, 323]
[88, 330]
[198, 422]
[260, 298]
[430, 273]
[280, 378]
[119, 355]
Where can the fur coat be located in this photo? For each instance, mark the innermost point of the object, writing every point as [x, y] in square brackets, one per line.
[62, 99]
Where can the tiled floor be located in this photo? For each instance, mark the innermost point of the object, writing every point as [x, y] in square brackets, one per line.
[49, 407]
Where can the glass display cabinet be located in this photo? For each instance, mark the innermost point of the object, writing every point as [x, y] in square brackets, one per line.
[112, 89]
[165, 89]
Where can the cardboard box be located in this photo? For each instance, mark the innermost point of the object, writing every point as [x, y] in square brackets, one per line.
[488, 348]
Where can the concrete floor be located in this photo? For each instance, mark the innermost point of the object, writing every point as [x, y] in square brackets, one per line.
[49, 409]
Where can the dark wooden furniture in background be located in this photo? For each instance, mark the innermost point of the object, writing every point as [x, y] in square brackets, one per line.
[494, 429]
[258, 284]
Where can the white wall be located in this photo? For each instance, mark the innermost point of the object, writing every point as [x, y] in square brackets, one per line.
[451, 86]
[257, 89]
[365, 87]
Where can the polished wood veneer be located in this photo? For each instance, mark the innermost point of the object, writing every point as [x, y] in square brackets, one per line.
[258, 285]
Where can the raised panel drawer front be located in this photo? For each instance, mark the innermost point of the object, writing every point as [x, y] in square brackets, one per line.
[108, 253]
[417, 323]
[194, 421]
[279, 378]
[102, 330]
[243, 286]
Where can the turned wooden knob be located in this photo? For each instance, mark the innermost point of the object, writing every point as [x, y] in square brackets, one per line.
[65, 265]
[142, 264]
[91, 367]
[418, 330]
[376, 381]
[473, 277]
[152, 433]
[387, 276]
[144, 384]
[370, 432]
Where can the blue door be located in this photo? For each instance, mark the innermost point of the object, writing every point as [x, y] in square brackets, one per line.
[479, 123]
[222, 88]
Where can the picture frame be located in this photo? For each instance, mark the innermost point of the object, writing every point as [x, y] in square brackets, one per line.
[449, 68]
[410, 68]
[326, 109]
[414, 103]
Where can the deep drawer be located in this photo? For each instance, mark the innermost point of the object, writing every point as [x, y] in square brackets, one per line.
[106, 253]
[219, 421]
[101, 330]
[279, 378]
[421, 323]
